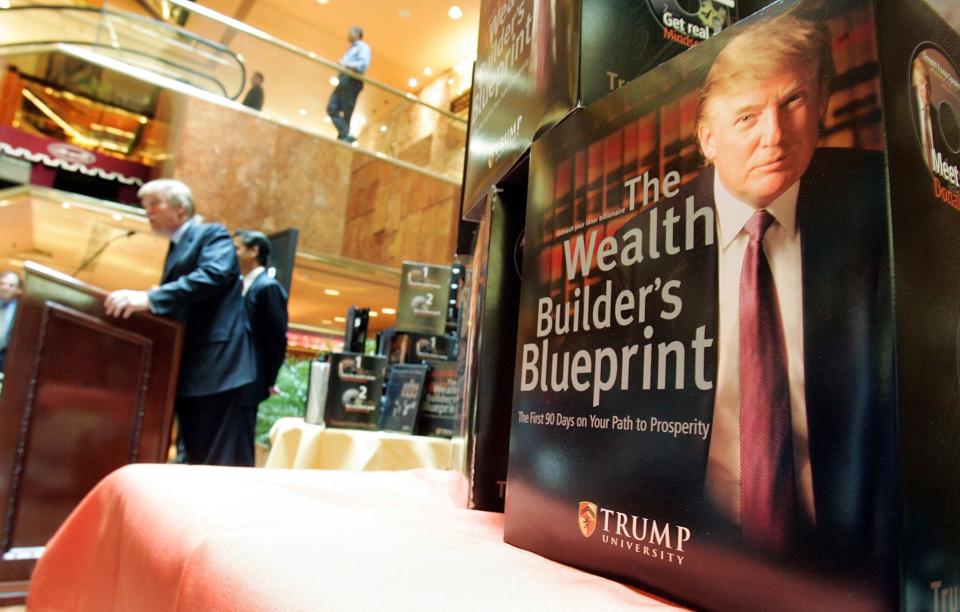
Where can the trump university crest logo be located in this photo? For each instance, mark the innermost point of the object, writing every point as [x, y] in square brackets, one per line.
[587, 519]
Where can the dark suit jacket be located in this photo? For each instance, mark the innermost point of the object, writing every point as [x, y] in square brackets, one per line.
[848, 351]
[201, 286]
[266, 305]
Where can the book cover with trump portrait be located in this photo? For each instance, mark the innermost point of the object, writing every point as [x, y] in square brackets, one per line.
[708, 383]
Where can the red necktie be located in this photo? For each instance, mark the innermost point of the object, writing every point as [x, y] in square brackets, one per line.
[767, 484]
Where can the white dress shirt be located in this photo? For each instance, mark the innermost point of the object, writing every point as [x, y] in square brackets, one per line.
[251, 276]
[781, 245]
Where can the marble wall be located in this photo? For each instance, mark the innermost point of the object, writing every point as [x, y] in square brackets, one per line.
[396, 215]
[247, 171]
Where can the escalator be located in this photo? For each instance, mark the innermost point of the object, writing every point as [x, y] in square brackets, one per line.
[113, 39]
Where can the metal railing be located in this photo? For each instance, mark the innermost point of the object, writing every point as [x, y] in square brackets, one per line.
[139, 41]
[419, 130]
[216, 54]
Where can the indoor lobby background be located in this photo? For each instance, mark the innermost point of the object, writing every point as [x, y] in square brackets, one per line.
[124, 88]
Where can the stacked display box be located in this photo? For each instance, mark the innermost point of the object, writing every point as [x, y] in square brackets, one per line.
[752, 444]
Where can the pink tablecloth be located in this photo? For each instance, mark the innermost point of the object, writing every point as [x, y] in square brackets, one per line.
[165, 537]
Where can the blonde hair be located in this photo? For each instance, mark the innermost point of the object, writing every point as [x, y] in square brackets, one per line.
[765, 49]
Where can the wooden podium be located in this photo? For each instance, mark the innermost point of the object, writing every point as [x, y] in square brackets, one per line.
[83, 395]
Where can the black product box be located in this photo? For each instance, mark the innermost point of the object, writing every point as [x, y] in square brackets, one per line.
[440, 409]
[489, 327]
[431, 348]
[354, 390]
[424, 298]
[401, 403]
[537, 60]
[738, 366]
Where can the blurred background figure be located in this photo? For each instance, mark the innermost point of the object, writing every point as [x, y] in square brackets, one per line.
[254, 97]
[265, 301]
[200, 286]
[11, 286]
[344, 96]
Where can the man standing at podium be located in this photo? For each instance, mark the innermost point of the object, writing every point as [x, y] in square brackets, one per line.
[201, 286]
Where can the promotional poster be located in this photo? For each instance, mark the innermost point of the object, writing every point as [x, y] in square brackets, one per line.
[622, 39]
[354, 390]
[439, 412]
[424, 295]
[401, 403]
[525, 80]
[704, 396]
[921, 76]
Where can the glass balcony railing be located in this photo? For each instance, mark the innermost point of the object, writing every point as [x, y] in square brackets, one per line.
[217, 55]
[420, 129]
[135, 40]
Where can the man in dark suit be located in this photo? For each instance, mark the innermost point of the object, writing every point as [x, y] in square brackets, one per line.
[265, 301]
[200, 286]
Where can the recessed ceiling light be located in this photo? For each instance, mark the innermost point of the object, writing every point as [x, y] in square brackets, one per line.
[285, 121]
[334, 81]
[373, 313]
[323, 1]
[303, 112]
[66, 205]
[404, 13]
[383, 128]
[4, 203]
[412, 82]
[388, 310]
[449, 81]
[332, 291]
[340, 319]
[117, 217]
[427, 71]
[455, 12]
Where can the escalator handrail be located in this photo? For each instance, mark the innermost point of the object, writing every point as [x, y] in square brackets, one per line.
[152, 23]
[310, 55]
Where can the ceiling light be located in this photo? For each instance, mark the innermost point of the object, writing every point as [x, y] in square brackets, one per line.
[323, 1]
[117, 217]
[340, 319]
[388, 311]
[427, 71]
[404, 13]
[303, 112]
[412, 82]
[449, 81]
[285, 121]
[455, 12]
[66, 205]
[373, 313]
[383, 128]
[334, 81]
[332, 291]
